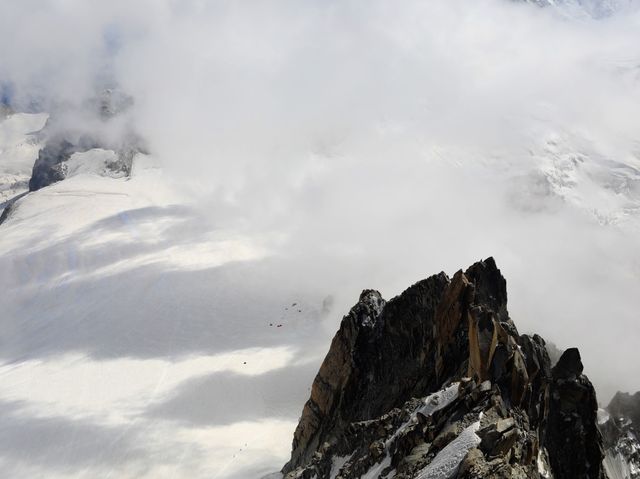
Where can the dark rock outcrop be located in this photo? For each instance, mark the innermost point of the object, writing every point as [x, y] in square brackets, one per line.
[572, 436]
[437, 382]
[51, 164]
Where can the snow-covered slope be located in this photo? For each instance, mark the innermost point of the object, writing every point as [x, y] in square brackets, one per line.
[140, 341]
[566, 166]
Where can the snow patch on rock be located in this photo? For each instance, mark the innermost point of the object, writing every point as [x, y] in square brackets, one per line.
[94, 162]
[447, 461]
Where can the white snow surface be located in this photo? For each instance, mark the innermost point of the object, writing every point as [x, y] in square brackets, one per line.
[432, 403]
[447, 461]
[603, 416]
[92, 162]
[440, 399]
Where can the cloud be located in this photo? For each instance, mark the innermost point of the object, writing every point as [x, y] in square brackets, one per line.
[227, 398]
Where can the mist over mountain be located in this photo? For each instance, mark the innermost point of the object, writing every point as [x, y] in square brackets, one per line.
[192, 194]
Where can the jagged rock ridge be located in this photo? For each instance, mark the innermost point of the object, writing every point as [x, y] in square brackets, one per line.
[438, 383]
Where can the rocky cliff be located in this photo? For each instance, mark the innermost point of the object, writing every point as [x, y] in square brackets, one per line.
[438, 383]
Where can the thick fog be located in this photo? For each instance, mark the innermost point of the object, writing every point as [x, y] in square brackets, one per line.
[375, 143]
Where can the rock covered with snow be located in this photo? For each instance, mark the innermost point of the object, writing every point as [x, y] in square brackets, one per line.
[620, 426]
[105, 127]
[438, 383]
[588, 8]
[38, 149]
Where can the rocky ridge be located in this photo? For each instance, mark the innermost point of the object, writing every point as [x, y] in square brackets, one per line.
[437, 383]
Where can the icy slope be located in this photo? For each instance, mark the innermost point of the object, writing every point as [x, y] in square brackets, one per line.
[567, 166]
[128, 348]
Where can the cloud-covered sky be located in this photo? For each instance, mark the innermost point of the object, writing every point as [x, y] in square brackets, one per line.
[383, 141]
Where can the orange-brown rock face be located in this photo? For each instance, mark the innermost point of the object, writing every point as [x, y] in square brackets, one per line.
[334, 375]
[386, 353]
[450, 313]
